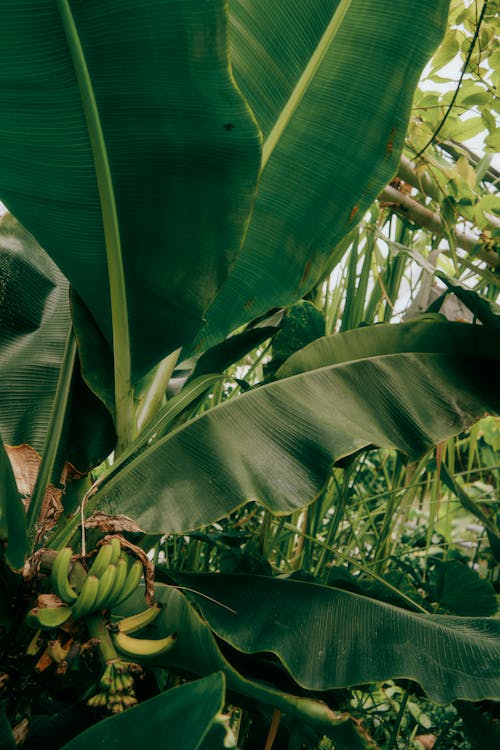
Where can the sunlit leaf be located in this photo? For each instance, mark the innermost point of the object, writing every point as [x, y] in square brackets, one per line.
[341, 144]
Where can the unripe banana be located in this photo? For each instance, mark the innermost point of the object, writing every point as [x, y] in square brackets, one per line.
[143, 647]
[121, 577]
[114, 703]
[59, 577]
[139, 621]
[101, 561]
[85, 604]
[118, 684]
[106, 583]
[49, 618]
[98, 701]
[125, 681]
[108, 676]
[132, 581]
[128, 700]
[116, 549]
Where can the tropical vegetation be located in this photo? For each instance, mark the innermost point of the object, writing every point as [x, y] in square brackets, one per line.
[249, 372]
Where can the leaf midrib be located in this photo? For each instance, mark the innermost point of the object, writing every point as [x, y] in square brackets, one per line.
[124, 404]
[304, 81]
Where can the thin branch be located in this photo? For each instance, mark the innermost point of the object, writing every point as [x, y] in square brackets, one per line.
[427, 219]
[454, 97]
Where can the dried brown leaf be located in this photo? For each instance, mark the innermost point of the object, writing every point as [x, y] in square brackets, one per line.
[110, 524]
[147, 564]
[20, 731]
[50, 601]
[426, 740]
[25, 463]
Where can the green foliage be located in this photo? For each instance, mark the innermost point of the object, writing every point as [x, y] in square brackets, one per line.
[155, 721]
[319, 490]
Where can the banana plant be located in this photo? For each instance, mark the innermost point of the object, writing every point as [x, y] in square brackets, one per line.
[188, 167]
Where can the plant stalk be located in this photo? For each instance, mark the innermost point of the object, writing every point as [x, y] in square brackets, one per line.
[124, 401]
[156, 391]
[402, 708]
[98, 630]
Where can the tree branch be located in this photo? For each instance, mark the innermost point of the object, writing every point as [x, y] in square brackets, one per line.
[413, 211]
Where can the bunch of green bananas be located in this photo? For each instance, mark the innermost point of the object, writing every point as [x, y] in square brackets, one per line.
[116, 693]
[108, 583]
[140, 648]
[117, 688]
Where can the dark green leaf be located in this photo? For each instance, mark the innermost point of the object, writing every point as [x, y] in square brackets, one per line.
[278, 442]
[179, 719]
[328, 638]
[34, 322]
[183, 149]
[7, 741]
[479, 730]
[12, 515]
[462, 591]
[197, 652]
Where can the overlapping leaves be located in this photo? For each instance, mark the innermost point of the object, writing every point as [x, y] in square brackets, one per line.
[327, 638]
[182, 146]
[277, 443]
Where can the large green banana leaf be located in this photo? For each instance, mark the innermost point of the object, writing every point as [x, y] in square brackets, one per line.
[182, 147]
[427, 333]
[277, 443]
[348, 83]
[197, 652]
[34, 323]
[180, 719]
[327, 638]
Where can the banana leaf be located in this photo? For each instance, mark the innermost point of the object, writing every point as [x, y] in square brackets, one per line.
[277, 443]
[327, 638]
[34, 323]
[197, 652]
[12, 515]
[182, 148]
[179, 718]
[426, 333]
[340, 80]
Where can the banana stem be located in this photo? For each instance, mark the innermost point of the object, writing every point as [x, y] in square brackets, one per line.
[98, 630]
[124, 397]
